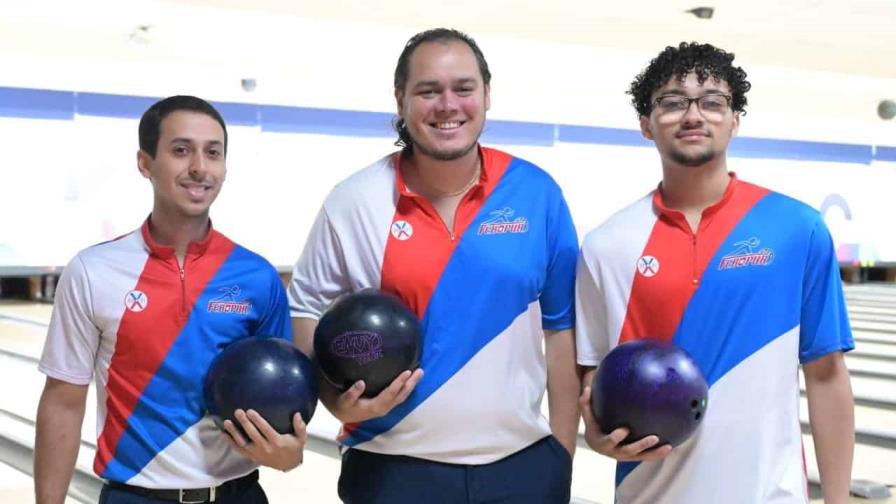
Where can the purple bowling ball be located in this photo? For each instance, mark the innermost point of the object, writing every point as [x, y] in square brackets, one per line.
[650, 387]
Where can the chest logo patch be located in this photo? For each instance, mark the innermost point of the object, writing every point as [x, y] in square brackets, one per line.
[747, 253]
[229, 302]
[648, 266]
[402, 230]
[502, 222]
[136, 301]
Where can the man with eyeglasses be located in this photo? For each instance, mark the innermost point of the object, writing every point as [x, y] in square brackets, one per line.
[744, 279]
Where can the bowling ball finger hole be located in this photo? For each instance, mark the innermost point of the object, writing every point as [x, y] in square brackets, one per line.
[697, 415]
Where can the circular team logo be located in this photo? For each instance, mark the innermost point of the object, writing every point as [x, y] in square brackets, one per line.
[402, 230]
[136, 301]
[648, 266]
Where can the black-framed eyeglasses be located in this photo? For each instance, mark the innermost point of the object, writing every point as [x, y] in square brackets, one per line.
[711, 106]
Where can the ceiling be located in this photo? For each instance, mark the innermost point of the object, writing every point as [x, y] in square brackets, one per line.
[846, 36]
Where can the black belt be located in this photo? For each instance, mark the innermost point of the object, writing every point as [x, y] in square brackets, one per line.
[190, 495]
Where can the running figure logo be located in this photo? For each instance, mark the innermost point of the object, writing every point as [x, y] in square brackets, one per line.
[500, 223]
[136, 301]
[229, 302]
[746, 254]
[648, 266]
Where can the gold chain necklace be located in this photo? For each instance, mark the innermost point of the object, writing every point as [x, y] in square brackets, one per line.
[464, 189]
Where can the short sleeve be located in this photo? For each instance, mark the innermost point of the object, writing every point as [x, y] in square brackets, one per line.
[824, 324]
[318, 277]
[557, 298]
[275, 321]
[72, 338]
[592, 340]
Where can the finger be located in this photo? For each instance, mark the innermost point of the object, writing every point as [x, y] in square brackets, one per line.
[409, 386]
[585, 405]
[656, 453]
[388, 395]
[262, 425]
[236, 438]
[351, 396]
[617, 436]
[641, 445]
[248, 427]
[301, 431]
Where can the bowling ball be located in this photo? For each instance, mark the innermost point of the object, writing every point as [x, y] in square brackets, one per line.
[367, 335]
[650, 387]
[268, 375]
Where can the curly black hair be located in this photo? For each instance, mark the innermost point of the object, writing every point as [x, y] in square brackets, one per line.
[705, 60]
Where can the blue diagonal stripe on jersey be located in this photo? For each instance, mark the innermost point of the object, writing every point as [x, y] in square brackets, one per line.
[464, 302]
[190, 355]
[722, 327]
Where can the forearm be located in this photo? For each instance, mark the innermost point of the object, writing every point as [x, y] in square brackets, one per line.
[58, 437]
[563, 386]
[833, 428]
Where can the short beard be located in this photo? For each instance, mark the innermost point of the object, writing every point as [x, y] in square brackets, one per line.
[444, 155]
[696, 160]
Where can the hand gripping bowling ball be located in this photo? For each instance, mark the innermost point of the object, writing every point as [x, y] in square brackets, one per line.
[268, 375]
[650, 387]
[368, 335]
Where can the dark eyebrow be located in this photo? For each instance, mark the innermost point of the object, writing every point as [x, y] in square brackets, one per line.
[184, 140]
[681, 92]
[435, 83]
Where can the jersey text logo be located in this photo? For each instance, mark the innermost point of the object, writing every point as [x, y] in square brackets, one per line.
[746, 254]
[500, 223]
[228, 302]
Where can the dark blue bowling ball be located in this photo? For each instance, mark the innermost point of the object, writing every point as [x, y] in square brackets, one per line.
[268, 375]
[368, 335]
[651, 387]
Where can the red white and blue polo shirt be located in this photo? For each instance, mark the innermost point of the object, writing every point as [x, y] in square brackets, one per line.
[146, 330]
[751, 295]
[484, 293]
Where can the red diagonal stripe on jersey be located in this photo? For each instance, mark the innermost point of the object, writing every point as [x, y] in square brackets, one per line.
[412, 267]
[145, 337]
[657, 303]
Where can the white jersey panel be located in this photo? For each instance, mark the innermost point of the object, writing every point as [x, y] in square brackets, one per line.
[432, 432]
[606, 291]
[218, 458]
[710, 467]
[345, 248]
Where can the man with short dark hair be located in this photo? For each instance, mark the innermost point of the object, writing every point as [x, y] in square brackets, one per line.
[135, 315]
[744, 279]
[481, 246]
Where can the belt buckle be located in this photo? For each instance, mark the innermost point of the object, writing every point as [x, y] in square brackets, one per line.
[182, 499]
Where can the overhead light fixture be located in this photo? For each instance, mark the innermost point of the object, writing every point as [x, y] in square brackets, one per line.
[702, 12]
[886, 109]
[248, 85]
[140, 35]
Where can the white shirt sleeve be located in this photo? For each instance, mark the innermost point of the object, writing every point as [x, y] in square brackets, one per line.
[318, 277]
[72, 338]
[592, 340]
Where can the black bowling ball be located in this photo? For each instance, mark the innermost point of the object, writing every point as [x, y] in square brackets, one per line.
[368, 335]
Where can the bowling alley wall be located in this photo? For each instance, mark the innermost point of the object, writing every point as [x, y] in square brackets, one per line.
[309, 101]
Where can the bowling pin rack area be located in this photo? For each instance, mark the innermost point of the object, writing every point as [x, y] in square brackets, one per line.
[872, 365]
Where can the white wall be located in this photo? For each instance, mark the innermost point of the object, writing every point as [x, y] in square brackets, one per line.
[67, 184]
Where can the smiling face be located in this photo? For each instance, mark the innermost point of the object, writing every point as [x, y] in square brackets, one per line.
[692, 138]
[189, 165]
[444, 101]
